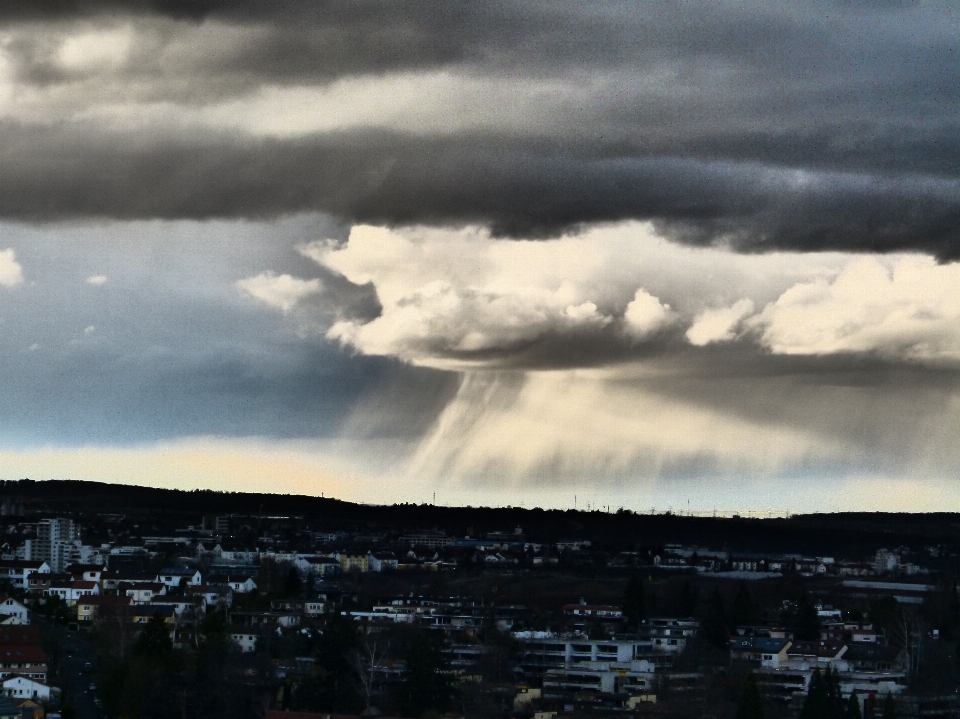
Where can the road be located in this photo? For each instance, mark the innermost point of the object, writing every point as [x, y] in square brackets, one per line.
[74, 678]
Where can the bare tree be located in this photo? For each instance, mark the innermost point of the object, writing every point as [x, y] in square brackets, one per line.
[908, 630]
[367, 661]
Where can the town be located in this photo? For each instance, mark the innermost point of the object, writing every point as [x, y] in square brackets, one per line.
[151, 604]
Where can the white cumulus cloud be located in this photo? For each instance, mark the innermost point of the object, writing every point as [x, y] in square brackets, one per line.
[718, 325]
[446, 294]
[11, 273]
[645, 314]
[909, 310]
[280, 291]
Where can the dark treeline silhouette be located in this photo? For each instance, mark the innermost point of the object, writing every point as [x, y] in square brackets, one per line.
[838, 534]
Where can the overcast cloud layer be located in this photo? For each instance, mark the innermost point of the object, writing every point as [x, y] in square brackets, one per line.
[642, 248]
[825, 125]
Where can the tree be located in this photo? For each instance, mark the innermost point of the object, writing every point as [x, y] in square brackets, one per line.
[744, 611]
[292, 584]
[687, 601]
[834, 699]
[889, 707]
[427, 682]
[751, 705]
[154, 641]
[713, 625]
[883, 613]
[366, 660]
[806, 622]
[852, 709]
[823, 697]
[336, 689]
[634, 603]
[815, 705]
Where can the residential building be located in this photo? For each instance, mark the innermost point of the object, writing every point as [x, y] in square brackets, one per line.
[636, 677]
[10, 607]
[54, 542]
[669, 635]
[176, 577]
[18, 571]
[245, 640]
[20, 687]
[760, 651]
[28, 660]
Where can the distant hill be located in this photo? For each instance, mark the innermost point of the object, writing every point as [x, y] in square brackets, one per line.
[849, 534]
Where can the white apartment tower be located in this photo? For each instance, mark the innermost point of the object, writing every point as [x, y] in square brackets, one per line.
[55, 543]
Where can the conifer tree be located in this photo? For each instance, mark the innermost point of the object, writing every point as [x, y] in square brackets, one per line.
[751, 705]
[834, 708]
[713, 626]
[813, 704]
[744, 610]
[687, 601]
[852, 709]
[889, 707]
[634, 603]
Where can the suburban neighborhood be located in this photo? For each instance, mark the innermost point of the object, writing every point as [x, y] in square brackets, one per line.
[146, 613]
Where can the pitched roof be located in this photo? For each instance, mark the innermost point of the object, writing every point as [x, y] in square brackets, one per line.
[27, 653]
[7, 708]
[21, 563]
[19, 635]
[823, 649]
[872, 653]
[769, 645]
[105, 599]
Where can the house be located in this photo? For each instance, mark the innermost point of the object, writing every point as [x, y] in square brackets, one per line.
[17, 571]
[73, 591]
[211, 596]
[237, 556]
[875, 658]
[817, 655]
[10, 607]
[383, 561]
[86, 572]
[142, 593]
[572, 545]
[241, 585]
[141, 614]
[39, 583]
[314, 607]
[114, 580]
[760, 651]
[353, 562]
[669, 635]
[176, 577]
[29, 709]
[246, 641]
[28, 660]
[20, 687]
[590, 677]
[601, 611]
[91, 606]
[8, 710]
[180, 604]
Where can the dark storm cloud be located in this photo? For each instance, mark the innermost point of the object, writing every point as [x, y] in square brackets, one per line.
[820, 125]
[528, 188]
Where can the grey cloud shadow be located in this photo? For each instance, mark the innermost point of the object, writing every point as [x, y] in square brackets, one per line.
[534, 188]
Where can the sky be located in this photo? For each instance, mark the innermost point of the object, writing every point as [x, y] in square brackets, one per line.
[676, 255]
